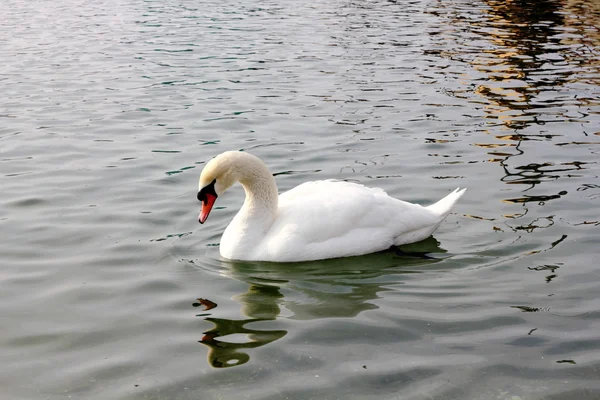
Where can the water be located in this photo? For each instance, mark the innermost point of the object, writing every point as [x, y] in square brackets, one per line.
[109, 110]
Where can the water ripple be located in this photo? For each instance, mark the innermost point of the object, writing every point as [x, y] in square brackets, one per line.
[109, 113]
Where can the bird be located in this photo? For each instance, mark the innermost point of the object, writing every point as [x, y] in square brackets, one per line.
[315, 220]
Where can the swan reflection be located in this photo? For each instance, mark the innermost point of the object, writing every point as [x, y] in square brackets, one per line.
[260, 304]
[336, 288]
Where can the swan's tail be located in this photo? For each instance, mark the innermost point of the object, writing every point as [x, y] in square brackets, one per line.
[444, 206]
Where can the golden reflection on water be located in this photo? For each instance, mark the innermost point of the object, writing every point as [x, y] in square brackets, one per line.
[526, 58]
[534, 63]
[536, 52]
[533, 47]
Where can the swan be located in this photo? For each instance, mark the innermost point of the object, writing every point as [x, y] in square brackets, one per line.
[313, 221]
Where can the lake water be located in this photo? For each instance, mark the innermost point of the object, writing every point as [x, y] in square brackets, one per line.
[109, 109]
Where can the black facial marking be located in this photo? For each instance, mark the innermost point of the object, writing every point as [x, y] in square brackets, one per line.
[208, 189]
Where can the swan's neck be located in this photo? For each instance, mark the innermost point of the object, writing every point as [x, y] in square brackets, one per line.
[261, 200]
[260, 206]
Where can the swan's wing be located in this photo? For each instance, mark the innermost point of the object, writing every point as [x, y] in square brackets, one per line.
[330, 208]
[346, 218]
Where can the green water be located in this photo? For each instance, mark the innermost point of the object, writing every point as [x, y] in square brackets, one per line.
[109, 110]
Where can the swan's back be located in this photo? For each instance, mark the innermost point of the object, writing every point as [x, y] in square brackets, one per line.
[326, 219]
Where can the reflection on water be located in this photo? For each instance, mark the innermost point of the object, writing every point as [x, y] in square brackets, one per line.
[335, 288]
[533, 51]
[532, 58]
[260, 304]
[548, 268]
[524, 60]
[535, 76]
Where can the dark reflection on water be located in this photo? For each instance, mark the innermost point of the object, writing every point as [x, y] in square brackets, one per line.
[337, 288]
[260, 303]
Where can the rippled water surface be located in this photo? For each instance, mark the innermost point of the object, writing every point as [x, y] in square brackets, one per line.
[111, 290]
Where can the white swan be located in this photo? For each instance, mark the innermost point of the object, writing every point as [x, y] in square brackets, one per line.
[315, 220]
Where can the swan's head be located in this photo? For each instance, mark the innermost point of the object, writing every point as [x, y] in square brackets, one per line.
[216, 177]
[228, 168]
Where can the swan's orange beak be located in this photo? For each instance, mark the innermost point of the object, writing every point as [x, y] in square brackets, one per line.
[207, 205]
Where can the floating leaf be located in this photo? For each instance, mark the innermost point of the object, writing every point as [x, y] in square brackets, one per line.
[208, 305]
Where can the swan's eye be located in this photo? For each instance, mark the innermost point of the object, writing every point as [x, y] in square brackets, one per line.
[208, 189]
